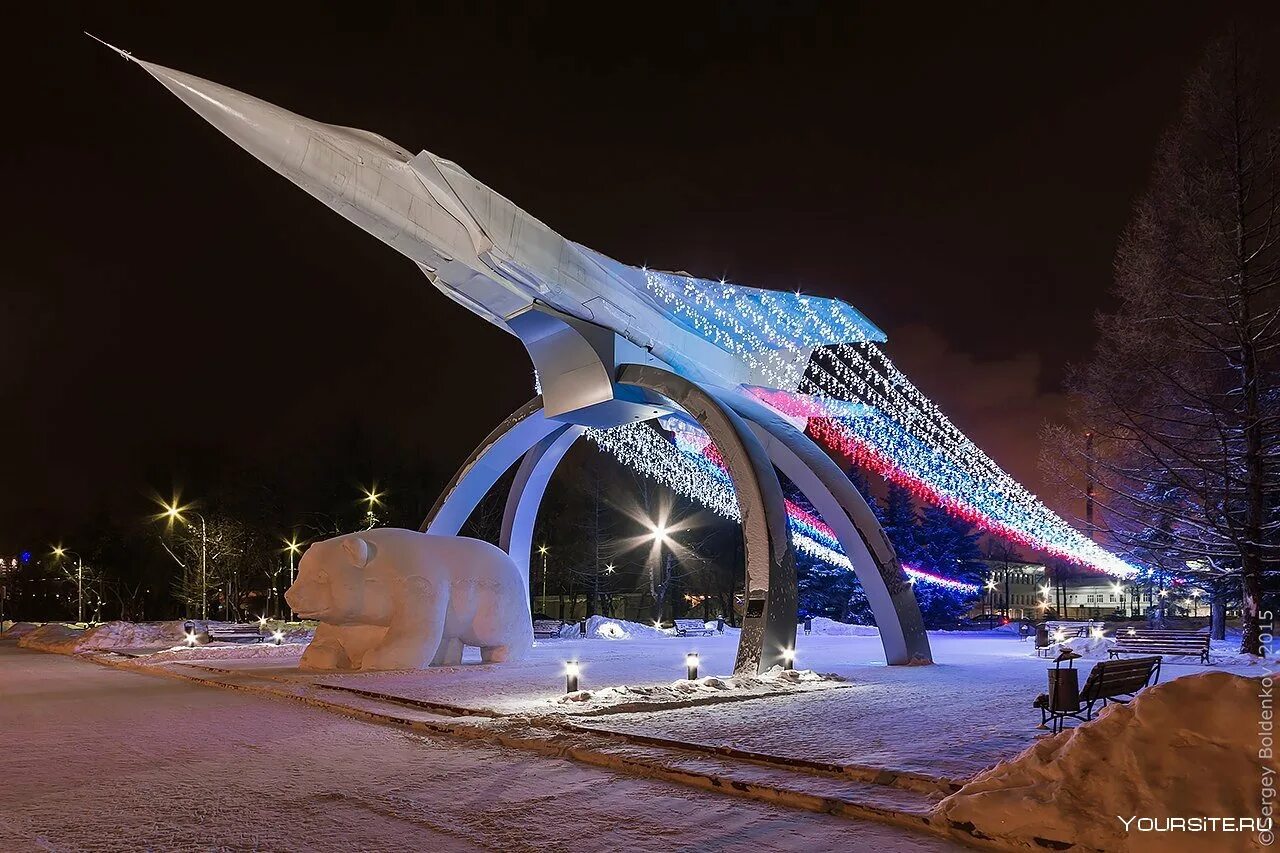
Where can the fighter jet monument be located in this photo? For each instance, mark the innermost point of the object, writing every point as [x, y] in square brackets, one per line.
[611, 344]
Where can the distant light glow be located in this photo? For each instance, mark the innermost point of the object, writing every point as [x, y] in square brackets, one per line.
[694, 469]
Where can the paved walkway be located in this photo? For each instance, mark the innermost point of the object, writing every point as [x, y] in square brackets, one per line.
[100, 759]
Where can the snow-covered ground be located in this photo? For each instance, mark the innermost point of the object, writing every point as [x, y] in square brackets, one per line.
[100, 759]
[844, 706]
[954, 719]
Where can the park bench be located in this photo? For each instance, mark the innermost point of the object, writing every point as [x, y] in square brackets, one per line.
[246, 632]
[689, 627]
[545, 629]
[1161, 641]
[1108, 681]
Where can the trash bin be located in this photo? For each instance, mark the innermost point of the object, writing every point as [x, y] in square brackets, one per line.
[1042, 635]
[1064, 689]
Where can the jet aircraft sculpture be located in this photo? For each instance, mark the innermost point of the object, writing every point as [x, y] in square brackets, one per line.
[612, 344]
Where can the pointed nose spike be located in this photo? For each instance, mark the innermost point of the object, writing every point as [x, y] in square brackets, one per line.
[124, 53]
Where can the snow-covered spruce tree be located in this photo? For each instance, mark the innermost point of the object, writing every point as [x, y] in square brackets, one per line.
[949, 546]
[901, 523]
[1180, 396]
[824, 589]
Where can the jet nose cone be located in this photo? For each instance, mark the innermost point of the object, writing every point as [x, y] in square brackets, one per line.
[268, 132]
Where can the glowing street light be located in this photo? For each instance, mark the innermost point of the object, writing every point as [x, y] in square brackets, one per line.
[373, 498]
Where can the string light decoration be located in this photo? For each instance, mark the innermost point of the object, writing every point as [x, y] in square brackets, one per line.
[772, 333]
[826, 351]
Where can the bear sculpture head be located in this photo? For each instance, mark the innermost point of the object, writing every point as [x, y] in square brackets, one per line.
[331, 580]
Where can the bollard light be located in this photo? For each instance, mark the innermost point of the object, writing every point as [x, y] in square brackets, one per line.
[1131, 632]
[278, 636]
[789, 658]
[191, 638]
[262, 621]
[571, 672]
[691, 665]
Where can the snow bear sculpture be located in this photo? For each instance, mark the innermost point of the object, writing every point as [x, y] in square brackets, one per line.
[399, 599]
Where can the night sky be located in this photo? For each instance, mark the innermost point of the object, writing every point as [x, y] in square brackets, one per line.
[172, 311]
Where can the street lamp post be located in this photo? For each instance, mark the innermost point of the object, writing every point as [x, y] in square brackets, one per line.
[661, 536]
[174, 512]
[543, 549]
[373, 498]
[61, 552]
[294, 547]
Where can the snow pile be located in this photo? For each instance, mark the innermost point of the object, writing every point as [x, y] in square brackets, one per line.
[605, 628]
[295, 632]
[69, 640]
[1146, 759]
[1089, 648]
[14, 630]
[685, 692]
[131, 635]
[53, 637]
[830, 627]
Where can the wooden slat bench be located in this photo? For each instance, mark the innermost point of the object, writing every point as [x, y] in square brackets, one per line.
[1108, 681]
[545, 629]
[1161, 641]
[689, 627]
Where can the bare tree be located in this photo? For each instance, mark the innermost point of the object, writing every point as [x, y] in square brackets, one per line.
[1182, 399]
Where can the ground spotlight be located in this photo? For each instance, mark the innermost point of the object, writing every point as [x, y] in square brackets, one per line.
[571, 673]
[788, 658]
[691, 665]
